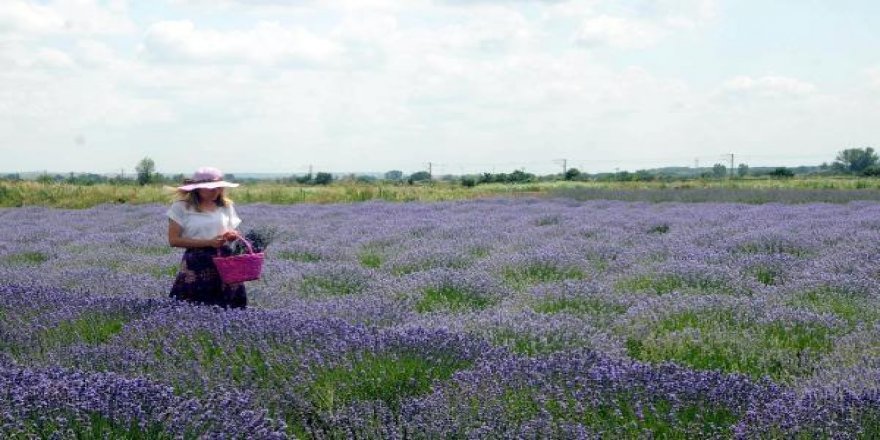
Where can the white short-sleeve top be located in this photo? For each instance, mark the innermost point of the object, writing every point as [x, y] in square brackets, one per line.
[203, 225]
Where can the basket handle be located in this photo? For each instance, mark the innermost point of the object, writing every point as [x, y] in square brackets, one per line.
[246, 243]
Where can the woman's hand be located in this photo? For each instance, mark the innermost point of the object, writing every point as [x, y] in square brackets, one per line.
[230, 235]
[217, 241]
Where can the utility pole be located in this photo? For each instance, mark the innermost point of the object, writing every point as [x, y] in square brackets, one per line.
[430, 172]
[310, 171]
[564, 166]
[731, 165]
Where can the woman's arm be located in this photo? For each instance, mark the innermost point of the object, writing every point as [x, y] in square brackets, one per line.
[176, 240]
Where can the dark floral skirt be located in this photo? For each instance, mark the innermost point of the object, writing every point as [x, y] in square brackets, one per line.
[198, 282]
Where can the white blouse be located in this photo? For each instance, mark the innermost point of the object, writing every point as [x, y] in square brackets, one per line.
[203, 225]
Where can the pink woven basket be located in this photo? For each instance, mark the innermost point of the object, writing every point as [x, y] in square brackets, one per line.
[240, 268]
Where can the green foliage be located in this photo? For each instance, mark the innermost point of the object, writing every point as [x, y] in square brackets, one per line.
[579, 306]
[164, 271]
[517, 176]
[370, 259]
[752, 190]
[96, 427]
[540, 273]
[525, 343]
[855, 160]
[419, 176]
[323, 178]
[154, 250]
[847, 306]
[263, 367]
[659, 229]
[45, 179]
[146, 170]
[394, 175]
[389, 377]
[766, 275]
[90, 328]
[781, 173]
[25, 258]
[720, 341]
[329, 285]
[662, 284]
[571, 174]
[624, 418]
[451, 298]
[301, 256]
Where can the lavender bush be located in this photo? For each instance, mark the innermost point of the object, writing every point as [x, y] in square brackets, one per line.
[504, 318]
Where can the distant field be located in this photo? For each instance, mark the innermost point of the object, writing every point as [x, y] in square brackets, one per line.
[796, 190]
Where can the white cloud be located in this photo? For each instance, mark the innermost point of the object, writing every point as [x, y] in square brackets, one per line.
[53, 58]
[767, 87]
[283, 6]
[92, 17]
[19, 57]
[474, 32]
[873, 75]
[268, 43]
[628, 24]
[30, 18]
[618, 32]
[78, 17]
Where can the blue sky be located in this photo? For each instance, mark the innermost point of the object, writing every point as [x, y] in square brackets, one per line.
[469, 86]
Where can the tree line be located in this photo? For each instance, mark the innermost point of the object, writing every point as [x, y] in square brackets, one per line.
[848, 162]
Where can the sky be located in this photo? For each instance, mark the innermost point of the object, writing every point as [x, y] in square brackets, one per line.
[460, 86]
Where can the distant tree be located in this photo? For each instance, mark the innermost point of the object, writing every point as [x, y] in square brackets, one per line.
[571, 174]
[623, 176]
[394, 175]
[45, 178]
[742, 170]
[855, 160]
[85, 179]
[468, 182]
[643, 176]
[782, 172]
[145, 170]
[520, 176]
[719, 171]
[305, 179]
[872, 171]
[419, 176]
[323, 178]
[363, 178]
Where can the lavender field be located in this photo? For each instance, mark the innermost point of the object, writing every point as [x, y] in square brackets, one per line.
[495, 318]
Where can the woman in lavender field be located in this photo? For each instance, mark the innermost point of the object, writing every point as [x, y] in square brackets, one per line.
[202, 220]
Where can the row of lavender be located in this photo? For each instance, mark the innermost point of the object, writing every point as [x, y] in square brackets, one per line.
[481, 318]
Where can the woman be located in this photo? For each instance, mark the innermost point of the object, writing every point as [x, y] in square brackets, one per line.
[202, 220]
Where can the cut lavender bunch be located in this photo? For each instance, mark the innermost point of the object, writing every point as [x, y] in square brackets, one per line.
[260, 238]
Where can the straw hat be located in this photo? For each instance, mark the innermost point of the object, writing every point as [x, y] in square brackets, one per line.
[206, 177]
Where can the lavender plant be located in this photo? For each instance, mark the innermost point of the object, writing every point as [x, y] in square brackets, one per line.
[470, 319]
